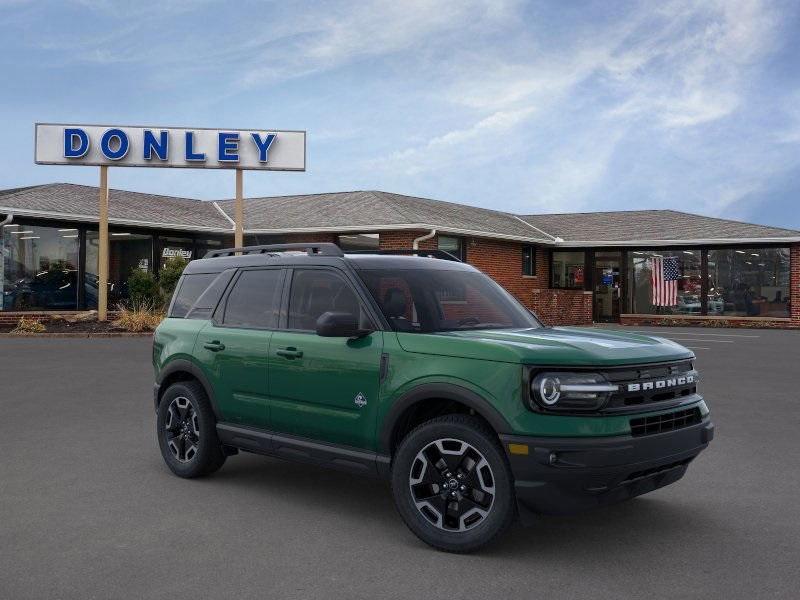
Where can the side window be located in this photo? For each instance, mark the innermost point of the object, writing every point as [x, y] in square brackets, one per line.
[189, 291]
[317, 291]
[254, 299]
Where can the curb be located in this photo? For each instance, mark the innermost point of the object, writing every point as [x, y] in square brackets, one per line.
[121, 334]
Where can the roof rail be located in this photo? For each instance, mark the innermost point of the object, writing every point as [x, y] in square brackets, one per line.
[442, 254]
[323, 249]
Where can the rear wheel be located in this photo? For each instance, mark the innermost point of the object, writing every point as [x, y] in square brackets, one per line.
[452, 484]
[187, 432]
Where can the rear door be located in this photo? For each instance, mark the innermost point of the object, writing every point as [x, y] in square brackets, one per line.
[233, 347]
[324, 388]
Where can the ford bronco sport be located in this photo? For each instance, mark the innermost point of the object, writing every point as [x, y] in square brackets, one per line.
[423, 371]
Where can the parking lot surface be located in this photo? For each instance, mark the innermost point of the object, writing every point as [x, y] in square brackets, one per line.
[88, 509]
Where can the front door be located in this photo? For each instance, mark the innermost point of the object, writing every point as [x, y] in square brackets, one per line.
[324, 388]
[607, 286]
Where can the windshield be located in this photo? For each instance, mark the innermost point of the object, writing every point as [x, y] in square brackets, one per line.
[433, 300]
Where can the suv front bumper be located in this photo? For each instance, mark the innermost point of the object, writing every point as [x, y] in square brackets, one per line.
[568, 475]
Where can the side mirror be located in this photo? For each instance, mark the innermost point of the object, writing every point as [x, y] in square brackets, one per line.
[339, 324]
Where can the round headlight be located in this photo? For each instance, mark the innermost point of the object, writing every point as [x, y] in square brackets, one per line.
[571, 390]
[549, 390]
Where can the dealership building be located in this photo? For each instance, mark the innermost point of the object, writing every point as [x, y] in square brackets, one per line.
[635, 267]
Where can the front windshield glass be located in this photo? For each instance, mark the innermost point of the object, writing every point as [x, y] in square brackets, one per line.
[433, 300]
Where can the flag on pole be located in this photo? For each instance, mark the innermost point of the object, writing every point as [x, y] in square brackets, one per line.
[664, 279]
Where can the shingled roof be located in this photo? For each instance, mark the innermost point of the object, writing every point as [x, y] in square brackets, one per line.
[79, 202]
[374, 210]
[664, 226]
[364, 211]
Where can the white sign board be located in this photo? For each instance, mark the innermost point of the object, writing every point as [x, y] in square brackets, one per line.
[182, 147]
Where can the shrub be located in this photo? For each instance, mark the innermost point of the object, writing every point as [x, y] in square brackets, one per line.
[26, 325]
[169, 275]
[143, 288]
[139, 317]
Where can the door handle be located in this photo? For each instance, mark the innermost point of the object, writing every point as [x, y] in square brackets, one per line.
[214, 346]
[290, 352]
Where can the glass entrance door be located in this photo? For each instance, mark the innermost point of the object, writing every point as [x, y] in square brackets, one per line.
[607, 286]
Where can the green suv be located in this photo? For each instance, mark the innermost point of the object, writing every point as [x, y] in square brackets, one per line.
[423, 371]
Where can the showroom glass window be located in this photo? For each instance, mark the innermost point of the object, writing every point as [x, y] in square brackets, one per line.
[568, 270]
[205, 245]
[359, 241]
[39, 268]
[176, 247]
[646, 292]
[128, 251]
[748, 282]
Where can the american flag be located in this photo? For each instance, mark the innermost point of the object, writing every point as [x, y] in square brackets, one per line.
[664, 277]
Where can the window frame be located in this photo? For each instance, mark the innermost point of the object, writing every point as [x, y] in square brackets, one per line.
[218, 318]
[588, 262]
[365, 300]
[462, 246]
[533, 260]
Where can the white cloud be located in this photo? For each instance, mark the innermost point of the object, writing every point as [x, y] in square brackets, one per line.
[463, 146]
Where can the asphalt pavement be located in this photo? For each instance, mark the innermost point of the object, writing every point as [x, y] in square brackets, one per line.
[88, 510]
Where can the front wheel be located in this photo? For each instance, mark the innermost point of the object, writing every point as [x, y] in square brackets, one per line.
[452, 484]
[187, 432]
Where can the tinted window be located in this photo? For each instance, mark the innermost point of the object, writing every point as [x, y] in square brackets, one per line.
[189, 291]
[421, 301]
[254, 299]
[38, 268]
[316, 291]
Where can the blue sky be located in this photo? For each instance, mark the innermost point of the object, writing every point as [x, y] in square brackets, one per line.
[555, 106]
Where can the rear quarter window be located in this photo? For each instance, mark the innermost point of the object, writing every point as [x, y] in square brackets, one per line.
[189, 290]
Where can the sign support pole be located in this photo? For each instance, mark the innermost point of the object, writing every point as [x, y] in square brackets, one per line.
[238, 240]
[102, 256]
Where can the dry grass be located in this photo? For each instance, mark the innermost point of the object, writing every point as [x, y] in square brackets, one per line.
[138, 318]
[26, 325]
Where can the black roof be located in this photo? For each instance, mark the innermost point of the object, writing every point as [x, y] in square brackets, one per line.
[365, 262]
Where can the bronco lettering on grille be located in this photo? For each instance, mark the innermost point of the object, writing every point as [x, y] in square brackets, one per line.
[659, 384]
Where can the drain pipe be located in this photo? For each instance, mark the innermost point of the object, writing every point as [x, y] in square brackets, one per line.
[427, 236]
[7, 220]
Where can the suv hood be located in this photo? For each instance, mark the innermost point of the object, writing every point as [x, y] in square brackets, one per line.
[548, 346]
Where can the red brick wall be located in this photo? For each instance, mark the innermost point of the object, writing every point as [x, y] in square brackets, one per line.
[404, 240]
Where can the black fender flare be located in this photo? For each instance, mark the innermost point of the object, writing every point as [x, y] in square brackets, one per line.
[181, 365]
[444, 391]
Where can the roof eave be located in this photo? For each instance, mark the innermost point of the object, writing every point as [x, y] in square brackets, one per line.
[111, 220]
[683, 242]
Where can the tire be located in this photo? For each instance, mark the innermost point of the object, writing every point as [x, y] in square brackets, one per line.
[190, 445]
[474, 482]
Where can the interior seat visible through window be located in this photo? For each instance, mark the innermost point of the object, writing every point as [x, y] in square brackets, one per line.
[317, 291]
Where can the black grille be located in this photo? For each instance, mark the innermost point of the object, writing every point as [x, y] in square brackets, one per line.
[666, 422]
[667, 382]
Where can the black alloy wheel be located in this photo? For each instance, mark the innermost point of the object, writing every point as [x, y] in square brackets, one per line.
[452, 484]
[187, 431]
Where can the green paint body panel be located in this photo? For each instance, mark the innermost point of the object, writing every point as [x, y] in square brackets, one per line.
[314, 395]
